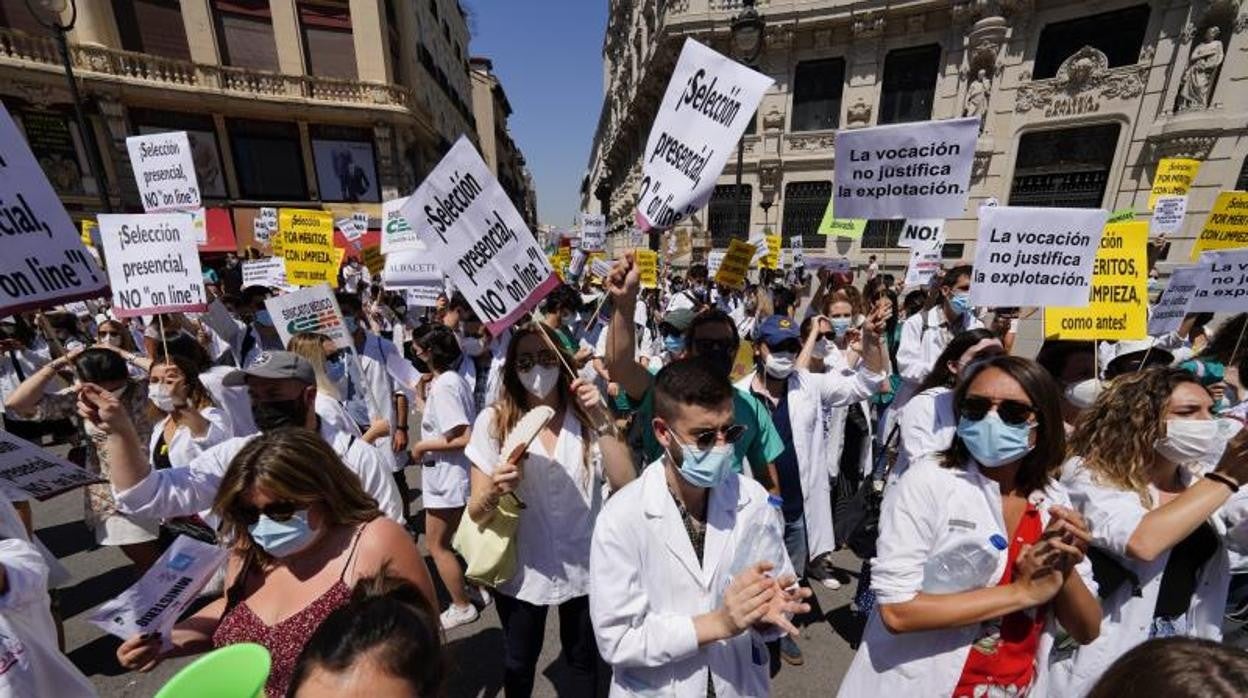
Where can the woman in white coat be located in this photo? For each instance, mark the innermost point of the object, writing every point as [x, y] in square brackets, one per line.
[1161, 514]
[977, 556]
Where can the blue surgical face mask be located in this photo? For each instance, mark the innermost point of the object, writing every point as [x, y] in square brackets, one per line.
[351, 324]
[283, 538]
[673, 344]
[705, 469]
[840, 325]
[263, 318]
[992, 442]
[960, 302]
[335, 370]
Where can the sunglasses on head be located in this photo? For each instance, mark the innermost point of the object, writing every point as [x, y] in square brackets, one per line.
[976, 407]
[277, 511]
[705, 439]
[525, 362]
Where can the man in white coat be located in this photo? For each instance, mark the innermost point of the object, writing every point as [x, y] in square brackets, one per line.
[925, 335]
[688, 572]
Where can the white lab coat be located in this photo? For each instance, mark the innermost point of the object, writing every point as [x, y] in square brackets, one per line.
[930, 509]
[185, 446]
[926, 426]
[923, 337]
[386, 372]
[1113, 515]
[646, 585]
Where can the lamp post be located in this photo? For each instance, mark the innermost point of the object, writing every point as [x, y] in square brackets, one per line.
[747, 39]
[48, 13]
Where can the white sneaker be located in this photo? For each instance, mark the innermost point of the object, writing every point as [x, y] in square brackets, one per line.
[455, 616]
[480, 597]
[830, 583]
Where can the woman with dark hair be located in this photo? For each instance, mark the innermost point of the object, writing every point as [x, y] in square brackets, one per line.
[1211, 363]
[560, 479]
[135, 536]
[384, 642]
[1160, 530]
[1176, 667]
[445, 429]
[977, 553]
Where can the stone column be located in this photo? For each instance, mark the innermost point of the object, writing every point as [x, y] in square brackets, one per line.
[95, 26]
[201, 32]
[865, 69]
[388, 173]
[287, 36]
[372, 41]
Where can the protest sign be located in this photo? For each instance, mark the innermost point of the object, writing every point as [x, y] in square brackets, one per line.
[599, 268]
[851, 228]
[1035, 256]
[835, 265]
[153, 264]
[915, 170]
[709, 100]
[1118, 305]
[1227, 224]
[308, 246]
[1174, 177]
[90, 233]
[924, 262]
[577, 264]
[165, 171]
[713, 259]
[1121, 215]
[735, 264]
[372, 259]
[44, 261]
[396, 234]
[1169, 310]
[350, 230]
[159, 598]
[922, 234]
[269, 271]
[312, 309]
[648, 264]
[1222, 283]
[409, 268]
[29, 471]
[636, 238]
[593, 232]
[799, 251]
[760, 248]
[259, 231]
[219, 320]
[423, 295]
[268, 216]
[360, 219]
[771, 260]
[1167, 215]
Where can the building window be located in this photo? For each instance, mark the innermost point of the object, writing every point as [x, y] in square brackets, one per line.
[201, 133]
[1064, 168]
[751, 126]
[328, 47]
[1118, 34]
[152, 26]
[268, 160]
[1241, 183]
[804, 204]
[346, 164]
[882, 234]
[723, 221]
[909, 84]
[245, 34]
[953, 250]
[817, 87]
[15, 14]
[53, 138]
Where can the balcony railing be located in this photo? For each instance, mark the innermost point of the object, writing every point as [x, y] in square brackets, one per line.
[100, 63]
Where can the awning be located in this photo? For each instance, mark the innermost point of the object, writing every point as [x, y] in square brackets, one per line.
[220, 232]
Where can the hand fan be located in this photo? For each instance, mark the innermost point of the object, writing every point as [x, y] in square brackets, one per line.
[522, 434]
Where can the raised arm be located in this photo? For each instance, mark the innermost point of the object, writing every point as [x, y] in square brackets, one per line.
[623, 284]
[25, 399]
[128, 463]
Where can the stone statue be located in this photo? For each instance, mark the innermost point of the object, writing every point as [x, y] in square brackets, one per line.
[1202, 68]
[977, 95]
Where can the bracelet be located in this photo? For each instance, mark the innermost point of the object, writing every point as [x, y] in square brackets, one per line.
[1225, 480]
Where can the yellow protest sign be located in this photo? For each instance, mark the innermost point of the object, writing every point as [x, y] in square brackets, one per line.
[307, 244]
[372, 258]
[1173, 178]
[648, 265]
[771, 260]
[88, 227]
[851, 228]
[1119, 306]
[1226, 226]
[735, 264]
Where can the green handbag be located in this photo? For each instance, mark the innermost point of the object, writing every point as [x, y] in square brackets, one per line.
[490, 548]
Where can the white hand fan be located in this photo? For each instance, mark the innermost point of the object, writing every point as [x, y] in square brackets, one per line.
[523, 434]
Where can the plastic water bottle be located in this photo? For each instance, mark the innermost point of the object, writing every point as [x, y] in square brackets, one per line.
[967, 565]
[759, 542]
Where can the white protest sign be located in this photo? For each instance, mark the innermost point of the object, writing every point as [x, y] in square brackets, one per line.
[760, 248]
[835, 265]
[156, 601]
[593, 232]
[29, 471]
[360, 218]
[915, 170]
[310, 309]
[709, 101]
[396, 234]
[577, 264]
[713, 259]
[410, 268]
[1223, 282]
[600, 268]
[478, 238]
[799, 251]
[1036, 256]
[924, 262]
[164, 171]
[922, 234]
[268, 215]
[1168, 215]
[423, 296]
[153, 263]
[44, 261]
[1167, 314]
[270, 271]
[350, 229]
[259, 231]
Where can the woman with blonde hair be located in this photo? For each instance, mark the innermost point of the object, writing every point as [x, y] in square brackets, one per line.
[303, 531]
[329, 363]
[1154, 475]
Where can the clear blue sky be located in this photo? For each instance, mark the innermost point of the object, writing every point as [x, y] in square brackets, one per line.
[548, 54]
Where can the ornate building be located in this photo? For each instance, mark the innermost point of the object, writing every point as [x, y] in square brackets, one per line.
[491, 108]
[338, 104]
[1080, 99]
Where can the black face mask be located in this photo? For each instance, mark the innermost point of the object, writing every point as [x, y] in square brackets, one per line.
[279, 413]
[420, 364]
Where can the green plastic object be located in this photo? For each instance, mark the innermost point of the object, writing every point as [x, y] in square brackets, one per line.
[236, 671]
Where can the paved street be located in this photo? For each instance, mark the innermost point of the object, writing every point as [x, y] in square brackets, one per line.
[475, 650]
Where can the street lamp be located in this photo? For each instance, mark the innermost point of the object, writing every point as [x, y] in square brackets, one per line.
[48, 13]
[747, 39]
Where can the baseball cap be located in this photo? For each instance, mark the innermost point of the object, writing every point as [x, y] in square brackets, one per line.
[1129, 356]
[273, 364]
[776, 329]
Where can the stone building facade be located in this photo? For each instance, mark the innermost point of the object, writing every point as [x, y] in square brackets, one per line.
[1080, 99]
[498, 148]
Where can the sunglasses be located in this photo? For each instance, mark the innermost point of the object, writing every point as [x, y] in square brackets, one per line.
[711, 346]
[336, 355]
[975, 407]
[789, 346]
[277, 511]
[525, 362]
[705, 439]
[108, 333]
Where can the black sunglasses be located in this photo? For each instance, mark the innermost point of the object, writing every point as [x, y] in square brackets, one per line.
[705, 439]
[710, 346]
[525, 362]
[277, 511]
[336, 355]
[976, 407]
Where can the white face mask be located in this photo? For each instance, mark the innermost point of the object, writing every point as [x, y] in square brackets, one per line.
[1083, 394]
[823, 347]
[539, 380]
[161, 396]
[1196, 440]
[779, 364]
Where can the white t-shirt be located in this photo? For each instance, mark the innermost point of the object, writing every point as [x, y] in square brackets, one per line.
[449, 405]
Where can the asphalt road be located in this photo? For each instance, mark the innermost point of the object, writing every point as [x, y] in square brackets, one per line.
[475, 650]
